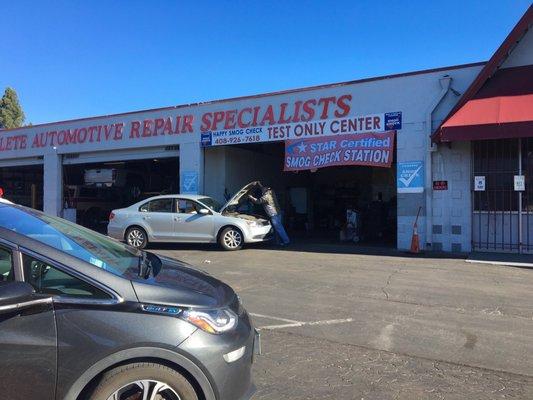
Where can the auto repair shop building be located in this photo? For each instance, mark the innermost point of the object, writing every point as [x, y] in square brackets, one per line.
[384, 149]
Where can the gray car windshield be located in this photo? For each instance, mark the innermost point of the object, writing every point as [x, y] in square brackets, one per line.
[70, 238]
[211, 203]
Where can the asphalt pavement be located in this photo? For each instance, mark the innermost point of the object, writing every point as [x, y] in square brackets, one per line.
[340, 322]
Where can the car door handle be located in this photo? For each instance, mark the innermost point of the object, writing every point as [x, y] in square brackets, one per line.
[146, 217]
[177, 219]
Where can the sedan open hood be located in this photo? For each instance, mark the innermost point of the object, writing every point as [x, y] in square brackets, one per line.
[245, 191]
[179, 284]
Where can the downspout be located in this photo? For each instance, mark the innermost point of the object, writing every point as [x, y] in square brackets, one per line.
[445, 84]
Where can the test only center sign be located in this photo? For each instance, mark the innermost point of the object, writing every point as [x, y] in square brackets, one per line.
[371, 149]
[257, 131]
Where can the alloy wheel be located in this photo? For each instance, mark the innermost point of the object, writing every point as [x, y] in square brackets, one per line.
[232, 239]
[145, 390]
[135, 238]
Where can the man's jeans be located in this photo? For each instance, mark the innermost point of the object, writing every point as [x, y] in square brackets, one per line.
[279, 230]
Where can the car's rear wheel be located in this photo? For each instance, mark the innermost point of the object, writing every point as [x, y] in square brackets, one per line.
[136, 237]
[231, 239]
[143, 381]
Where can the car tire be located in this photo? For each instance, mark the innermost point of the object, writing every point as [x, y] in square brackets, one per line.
[231, 239]
[136, 237]
[127, 381]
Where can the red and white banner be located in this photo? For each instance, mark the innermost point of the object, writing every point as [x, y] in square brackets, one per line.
[372, 149]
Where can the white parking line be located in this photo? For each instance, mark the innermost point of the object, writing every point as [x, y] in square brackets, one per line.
[312, 323]
[330, 321]
[292, 321]
[295, 325]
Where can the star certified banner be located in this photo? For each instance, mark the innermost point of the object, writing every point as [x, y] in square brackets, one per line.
[372, 149]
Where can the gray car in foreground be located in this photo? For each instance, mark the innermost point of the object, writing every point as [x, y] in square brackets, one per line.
[83, 316]
[190, 219]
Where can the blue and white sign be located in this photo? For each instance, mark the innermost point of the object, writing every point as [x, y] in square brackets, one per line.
[189, 182]
[410, 177]
[393, 121]
[206, 139]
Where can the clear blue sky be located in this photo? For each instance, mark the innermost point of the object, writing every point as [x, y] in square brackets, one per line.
[73, 58]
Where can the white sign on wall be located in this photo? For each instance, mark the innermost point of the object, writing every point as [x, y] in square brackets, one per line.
[410, 177]
[189, 182]
[519, 183]
[479, 183]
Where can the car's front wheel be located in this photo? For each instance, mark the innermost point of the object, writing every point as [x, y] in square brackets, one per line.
[136, 237]
[231, 239]
[143, 381]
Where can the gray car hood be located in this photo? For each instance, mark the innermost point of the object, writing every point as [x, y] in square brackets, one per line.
[179, 284]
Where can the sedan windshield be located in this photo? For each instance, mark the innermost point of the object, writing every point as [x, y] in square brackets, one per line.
[211, 203]
[70, 238]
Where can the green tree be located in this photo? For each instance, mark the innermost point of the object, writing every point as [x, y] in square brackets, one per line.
[11, 114]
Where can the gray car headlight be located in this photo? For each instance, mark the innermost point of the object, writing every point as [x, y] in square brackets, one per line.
[214, 321]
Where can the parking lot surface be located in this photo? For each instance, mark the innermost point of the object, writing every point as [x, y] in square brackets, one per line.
[340, 324]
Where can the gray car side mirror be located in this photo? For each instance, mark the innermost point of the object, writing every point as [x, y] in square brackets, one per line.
[204, 211]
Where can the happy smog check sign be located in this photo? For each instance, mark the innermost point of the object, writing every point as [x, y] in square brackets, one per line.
[372, 149]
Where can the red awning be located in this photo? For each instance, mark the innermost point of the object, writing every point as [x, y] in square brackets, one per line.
[503, 108]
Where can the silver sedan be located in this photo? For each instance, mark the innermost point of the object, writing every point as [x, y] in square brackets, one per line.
[189, 219]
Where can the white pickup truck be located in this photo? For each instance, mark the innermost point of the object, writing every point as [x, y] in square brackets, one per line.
[105, 177]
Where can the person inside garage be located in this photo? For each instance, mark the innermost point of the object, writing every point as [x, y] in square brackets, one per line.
[270, 203]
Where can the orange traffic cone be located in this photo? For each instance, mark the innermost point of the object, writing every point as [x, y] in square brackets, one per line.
[415, 240]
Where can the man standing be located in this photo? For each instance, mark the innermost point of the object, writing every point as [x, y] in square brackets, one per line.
[270, 204]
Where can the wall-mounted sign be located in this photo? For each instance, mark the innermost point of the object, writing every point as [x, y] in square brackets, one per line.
[410, 177]
[332, 111]
[479, 183]
[304, 129]
[393, 120]
[189, 182]
[90, 135]
[372, 149]
[519, 183]
[440, 185]
[206, 139]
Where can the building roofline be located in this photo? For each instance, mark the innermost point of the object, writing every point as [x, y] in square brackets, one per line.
[497, 59]
[261, 95]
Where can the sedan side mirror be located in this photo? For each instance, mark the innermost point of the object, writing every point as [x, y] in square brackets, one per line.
[204, 211]
[12, 293]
